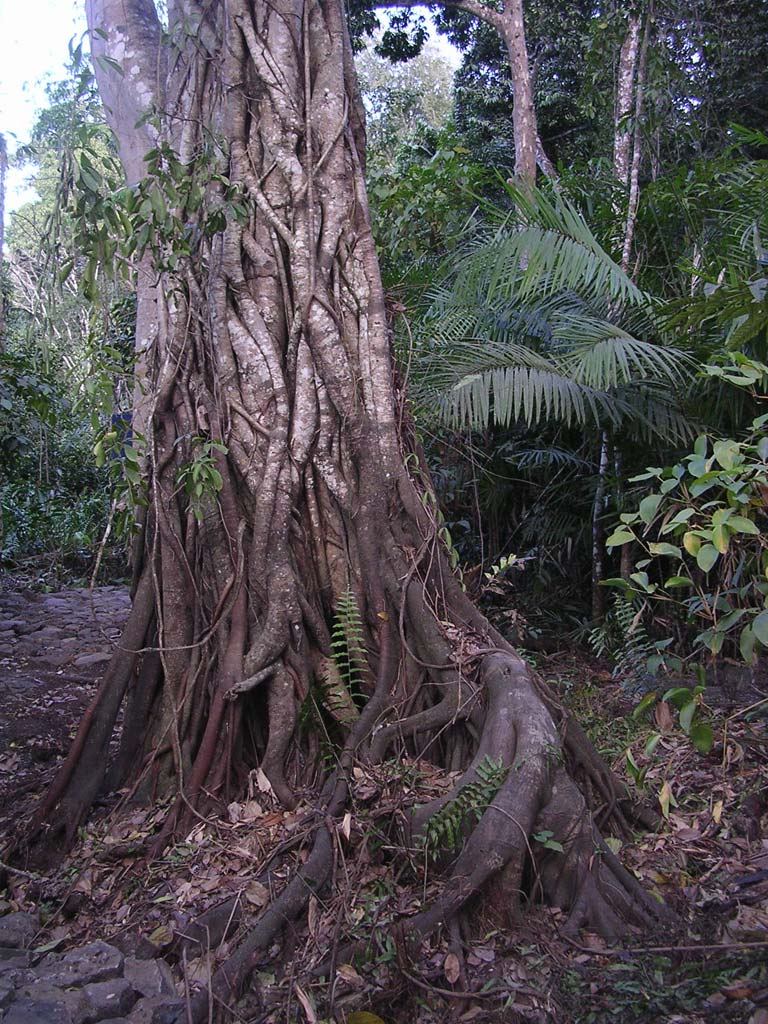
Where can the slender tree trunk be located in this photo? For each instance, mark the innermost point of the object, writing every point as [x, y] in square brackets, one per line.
[598, 532]
[3, 171]
[279, 505]
[527, 142]
[637, 149]
[625, 99]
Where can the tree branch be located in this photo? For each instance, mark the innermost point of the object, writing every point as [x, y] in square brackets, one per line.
[473, 7]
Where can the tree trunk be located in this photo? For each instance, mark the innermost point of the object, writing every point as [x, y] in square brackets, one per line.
[286, 502]
[3, 171]
[526, 134]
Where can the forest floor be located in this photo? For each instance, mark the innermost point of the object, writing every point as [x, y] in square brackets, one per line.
[708, 859]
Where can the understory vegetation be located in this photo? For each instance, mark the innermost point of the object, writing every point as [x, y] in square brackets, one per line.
[443, 510]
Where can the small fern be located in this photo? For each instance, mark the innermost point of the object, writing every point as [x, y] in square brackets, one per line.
[444, 830]
[342, 675]
[623, 638]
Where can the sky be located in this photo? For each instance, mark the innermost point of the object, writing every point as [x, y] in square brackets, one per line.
[35, 35]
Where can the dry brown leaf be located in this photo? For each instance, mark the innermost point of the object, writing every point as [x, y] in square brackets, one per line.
[663, 716]
[257, 894]
[760, 1016]
[306, 1004]
[349, 974]
[452, 968]
[346, 825]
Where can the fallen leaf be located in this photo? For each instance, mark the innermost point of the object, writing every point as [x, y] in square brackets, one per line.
[257, 894]
[738, 990]
[663, 717]
[451, 968]
[306, 1004]
[349, 974]
[664, 798]
[346, 825]
[760, 1016]
[717, 812]
[263, 784]
[162, 936]
[364, 1017]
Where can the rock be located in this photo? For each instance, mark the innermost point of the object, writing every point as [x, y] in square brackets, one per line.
[158, 1010]
[14, 956]
[53, 660]
[30, 1011]
[150, 977]
[41, 992]
[86, 660]
[6, 993]
[84, 966]
[107, 998]
[18, 929]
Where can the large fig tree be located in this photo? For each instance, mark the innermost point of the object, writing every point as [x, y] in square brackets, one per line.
[284, 488]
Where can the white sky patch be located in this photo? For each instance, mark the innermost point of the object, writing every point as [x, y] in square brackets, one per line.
[35, 35]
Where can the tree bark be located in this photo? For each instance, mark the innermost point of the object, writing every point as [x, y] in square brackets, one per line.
[286, 500]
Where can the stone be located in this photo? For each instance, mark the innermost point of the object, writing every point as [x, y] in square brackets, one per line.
[95, 962]
[158, 1010]
[38, 991]
[18, 929]
[31, 1011]
[14, 956]
[86, 660]
[107, 998]
[149, 977]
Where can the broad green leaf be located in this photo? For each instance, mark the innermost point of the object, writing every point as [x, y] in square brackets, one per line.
[721, 538]
[619, 537]
[665, 549]
[740, 524]
[686, 716]
[678, 695]
[706, 557]
[644, 704]
[649, 506]
[760, 627]
[702, 737]
[677, 581]
[747, 645]
[691, 543]
[652, 743]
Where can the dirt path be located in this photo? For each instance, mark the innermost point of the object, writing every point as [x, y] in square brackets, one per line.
[53, 649]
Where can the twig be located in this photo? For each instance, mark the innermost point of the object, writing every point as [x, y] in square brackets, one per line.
[628, 950]
[23, 874]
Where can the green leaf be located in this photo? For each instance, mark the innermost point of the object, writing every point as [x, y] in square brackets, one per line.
[677, 581]
[740, 524]
[702, 737]
[651, 743]
[760, 627]
[747, 645]
[721, 538]
[619, 537]
[648, 507]
[706, 557]
[665, 549]
[644, 704]
[691, 543]
[686, 716]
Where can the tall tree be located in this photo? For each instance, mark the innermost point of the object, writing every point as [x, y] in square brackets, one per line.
[509, 21]
[3, 171]
[285, 492]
